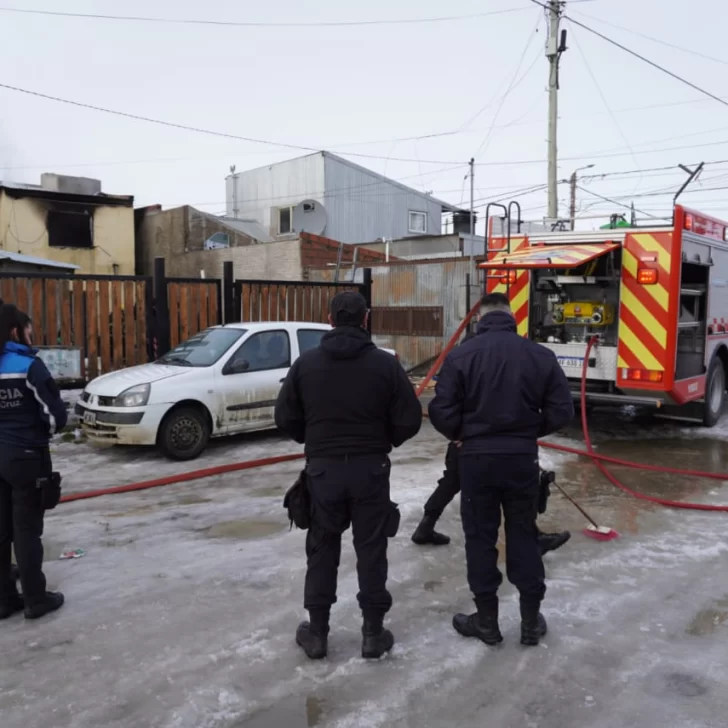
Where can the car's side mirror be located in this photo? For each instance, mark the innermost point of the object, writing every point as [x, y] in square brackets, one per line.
[237, 367]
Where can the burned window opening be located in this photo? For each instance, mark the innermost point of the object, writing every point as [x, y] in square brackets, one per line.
[70, 227]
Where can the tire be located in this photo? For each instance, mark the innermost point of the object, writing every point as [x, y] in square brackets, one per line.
[184, 433]
[715, 393]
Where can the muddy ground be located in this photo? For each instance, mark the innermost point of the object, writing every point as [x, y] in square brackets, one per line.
[182, 612]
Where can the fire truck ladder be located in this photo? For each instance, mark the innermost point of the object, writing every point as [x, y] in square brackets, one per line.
[507, 219]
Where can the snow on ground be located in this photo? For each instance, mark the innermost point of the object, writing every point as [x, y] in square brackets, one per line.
[182, 612]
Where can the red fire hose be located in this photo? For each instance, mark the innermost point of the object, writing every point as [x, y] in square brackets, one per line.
[614, 480]
[597, 459]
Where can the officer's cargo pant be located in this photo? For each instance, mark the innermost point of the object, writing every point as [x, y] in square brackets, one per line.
[21, 520]
[489, 483]
[448, 486]
[352, 490]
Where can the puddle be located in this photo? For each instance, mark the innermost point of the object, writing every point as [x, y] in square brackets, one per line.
[51, 551]
[138, 511]
[243, 529]
[707, 621]
[190, 500]
[270, 492]
[294, 712]
[430, 586]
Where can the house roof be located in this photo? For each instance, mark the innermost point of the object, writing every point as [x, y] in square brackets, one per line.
[32, 260]
[446, 206]
[20, 189]
[251, 228]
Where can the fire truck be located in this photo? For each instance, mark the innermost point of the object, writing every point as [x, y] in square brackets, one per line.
[655, 297]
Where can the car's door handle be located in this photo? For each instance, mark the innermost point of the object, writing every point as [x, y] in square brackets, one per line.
[280, 381]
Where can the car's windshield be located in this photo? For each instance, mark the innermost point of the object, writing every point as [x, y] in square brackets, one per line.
[203, 349]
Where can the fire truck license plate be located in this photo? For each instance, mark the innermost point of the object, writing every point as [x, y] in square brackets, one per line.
[571, 361]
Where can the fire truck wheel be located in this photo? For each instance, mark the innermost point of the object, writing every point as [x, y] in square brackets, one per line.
[715, 394]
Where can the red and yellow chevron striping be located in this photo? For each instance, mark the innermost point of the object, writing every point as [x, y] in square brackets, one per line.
[517, 291]
[647, 315]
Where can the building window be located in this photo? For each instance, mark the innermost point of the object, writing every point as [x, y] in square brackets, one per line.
[417, 222]
[69, 230]
[285, 220]
[216, 241]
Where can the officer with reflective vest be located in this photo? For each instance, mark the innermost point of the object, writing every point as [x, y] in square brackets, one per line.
[31, 411]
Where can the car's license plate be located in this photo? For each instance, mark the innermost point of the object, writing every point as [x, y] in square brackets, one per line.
[89, 418]
[571, 362]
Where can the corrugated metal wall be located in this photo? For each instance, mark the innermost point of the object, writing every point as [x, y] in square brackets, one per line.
[278, 185]
[363, 207]
[430, 283]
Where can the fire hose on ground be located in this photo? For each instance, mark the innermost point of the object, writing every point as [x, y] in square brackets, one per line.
[598, 460]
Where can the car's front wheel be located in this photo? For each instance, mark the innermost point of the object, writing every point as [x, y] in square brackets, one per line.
[184, 433]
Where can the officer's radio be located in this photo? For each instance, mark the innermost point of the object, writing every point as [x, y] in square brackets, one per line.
[583, 313]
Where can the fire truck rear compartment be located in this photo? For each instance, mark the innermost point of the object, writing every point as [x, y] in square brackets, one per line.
[571, 305]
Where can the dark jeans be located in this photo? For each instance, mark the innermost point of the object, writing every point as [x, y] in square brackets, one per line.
[348, 491]
[489, 483]
[21, 521]
[448, 486]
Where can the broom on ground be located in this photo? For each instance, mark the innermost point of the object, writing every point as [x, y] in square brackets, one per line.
[595, 531]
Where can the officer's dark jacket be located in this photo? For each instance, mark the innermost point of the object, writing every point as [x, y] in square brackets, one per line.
[31, 408]
[346, 397]
[499, 392]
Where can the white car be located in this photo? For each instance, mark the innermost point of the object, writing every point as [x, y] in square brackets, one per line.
[223, 381]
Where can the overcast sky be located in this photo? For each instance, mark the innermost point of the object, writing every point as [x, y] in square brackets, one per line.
[355, 89]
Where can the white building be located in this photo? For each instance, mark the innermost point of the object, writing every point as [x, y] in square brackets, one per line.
[326, 195]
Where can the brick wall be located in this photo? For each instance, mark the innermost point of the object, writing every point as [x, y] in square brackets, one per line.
[320, 252]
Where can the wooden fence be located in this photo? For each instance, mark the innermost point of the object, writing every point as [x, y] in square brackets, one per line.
[121, 321]
[194, 304]
[104, 316]
[287, 300]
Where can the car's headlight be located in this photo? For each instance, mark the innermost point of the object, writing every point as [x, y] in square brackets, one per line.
[136, 396]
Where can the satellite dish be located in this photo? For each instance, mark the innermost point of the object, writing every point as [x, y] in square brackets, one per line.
[309, 216]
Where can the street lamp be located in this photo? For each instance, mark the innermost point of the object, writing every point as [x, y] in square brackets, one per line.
[572, 184]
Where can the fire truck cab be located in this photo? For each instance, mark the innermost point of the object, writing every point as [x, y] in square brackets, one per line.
[656, 298]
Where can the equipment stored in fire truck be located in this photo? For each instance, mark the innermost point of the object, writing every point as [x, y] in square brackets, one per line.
[655, 297]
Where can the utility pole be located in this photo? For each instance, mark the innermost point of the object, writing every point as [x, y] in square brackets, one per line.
[555, 46]
[572, 202]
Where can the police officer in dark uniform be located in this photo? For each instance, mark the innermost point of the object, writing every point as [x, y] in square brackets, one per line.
[449, 486]
[31, 411]
[497, 394]
[350, 403]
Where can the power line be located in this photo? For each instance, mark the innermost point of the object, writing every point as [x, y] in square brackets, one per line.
[655, 40]
[511, 87]
[611, 201]
[606, 105]
[298, 147]
[254, 24]
[647, 60]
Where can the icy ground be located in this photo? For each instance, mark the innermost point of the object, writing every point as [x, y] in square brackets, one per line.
[182, 612]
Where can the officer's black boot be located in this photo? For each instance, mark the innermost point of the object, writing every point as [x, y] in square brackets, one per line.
[12, 602]
[312, 636]
[552, 541]
[483, 624]
[375, 639]
[52, 601]
[425, 533]
[533, 624]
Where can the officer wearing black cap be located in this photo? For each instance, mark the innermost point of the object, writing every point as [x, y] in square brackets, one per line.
[498, 393]
[350, 403]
